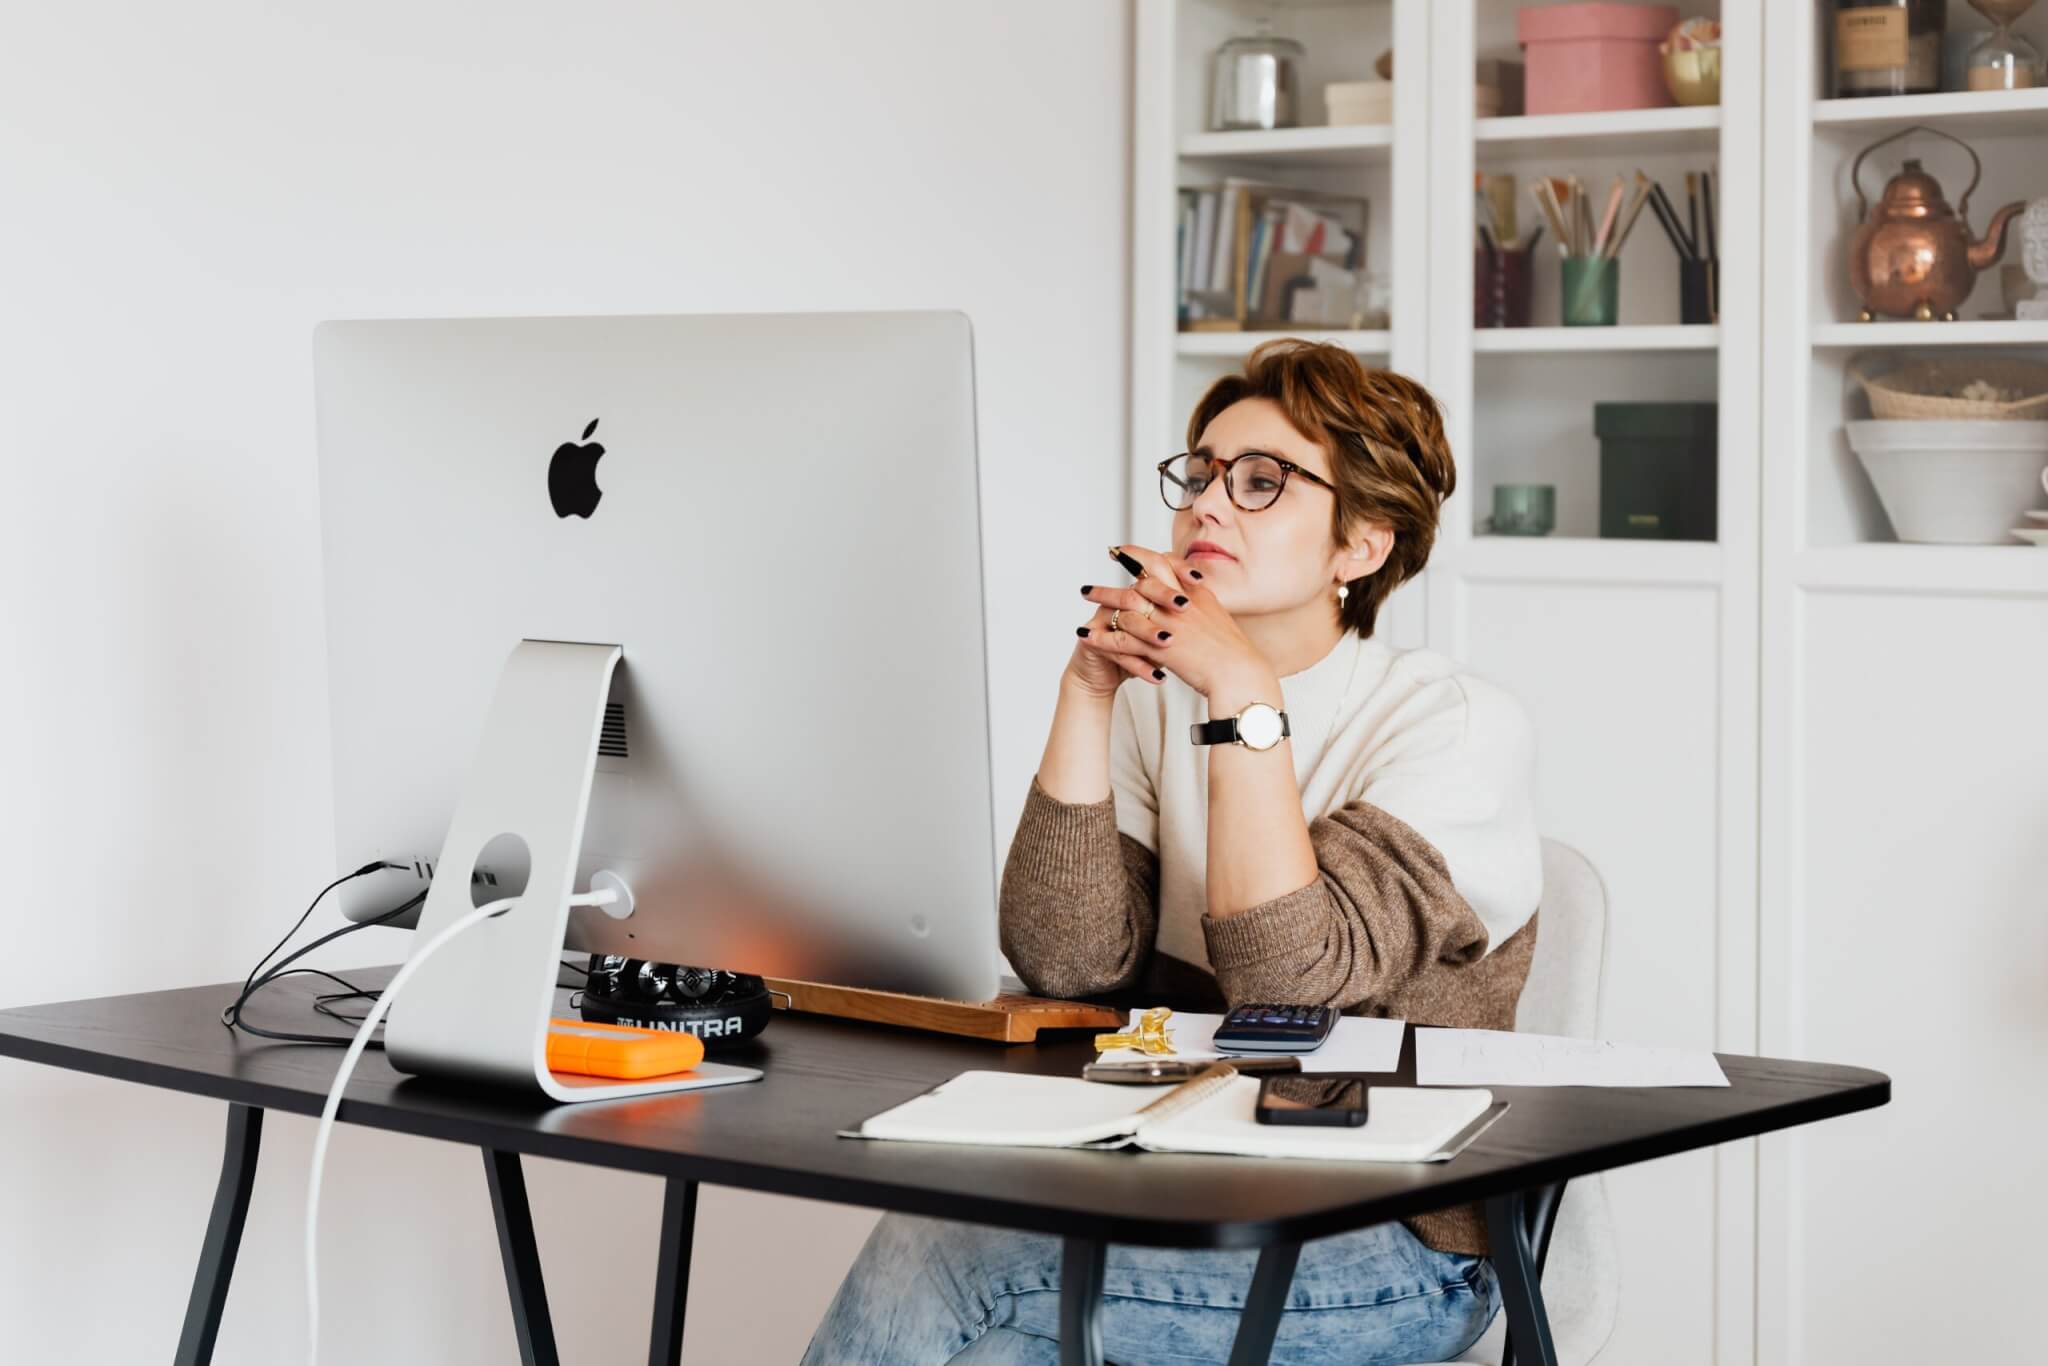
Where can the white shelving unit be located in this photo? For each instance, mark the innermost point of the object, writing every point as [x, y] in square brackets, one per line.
[1761, 740]
[1360, 145]
[2004, 111]
[1236, 344]
[1890, 746]
[1640, 132]
[1997, 332]
[1660, 337]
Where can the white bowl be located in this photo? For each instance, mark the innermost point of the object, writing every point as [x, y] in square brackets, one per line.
[1953, 483]
[2034, 535]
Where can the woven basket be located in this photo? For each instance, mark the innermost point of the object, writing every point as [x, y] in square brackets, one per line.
[1927, 389]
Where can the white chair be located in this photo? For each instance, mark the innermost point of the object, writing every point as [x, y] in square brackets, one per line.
[1582, 1271]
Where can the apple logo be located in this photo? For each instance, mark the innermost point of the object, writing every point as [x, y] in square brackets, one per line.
[572, 476]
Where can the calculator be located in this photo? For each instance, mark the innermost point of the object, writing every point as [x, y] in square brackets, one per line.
[1275, 1029]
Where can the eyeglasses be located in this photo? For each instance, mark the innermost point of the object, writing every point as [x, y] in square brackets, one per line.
[1252, 481]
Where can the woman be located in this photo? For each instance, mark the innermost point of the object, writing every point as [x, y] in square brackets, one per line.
[1382, 858]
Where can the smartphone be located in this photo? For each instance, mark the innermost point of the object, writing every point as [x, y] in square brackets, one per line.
[1336, 1101]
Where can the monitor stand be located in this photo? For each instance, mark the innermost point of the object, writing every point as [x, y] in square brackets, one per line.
[478, 1010]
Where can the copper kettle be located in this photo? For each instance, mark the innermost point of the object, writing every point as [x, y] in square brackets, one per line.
[1912, 257]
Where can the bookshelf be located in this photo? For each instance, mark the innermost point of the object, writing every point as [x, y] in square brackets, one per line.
[1867, 644]
[1781, 669]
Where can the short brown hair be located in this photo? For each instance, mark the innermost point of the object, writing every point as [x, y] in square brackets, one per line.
[1384, 435]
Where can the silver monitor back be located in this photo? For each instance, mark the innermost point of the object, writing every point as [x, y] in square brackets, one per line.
[795, 775]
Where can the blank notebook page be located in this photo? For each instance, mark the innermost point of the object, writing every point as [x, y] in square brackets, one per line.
[1014, 1108]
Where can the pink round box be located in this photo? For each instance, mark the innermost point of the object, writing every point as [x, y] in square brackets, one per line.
[1594, 56]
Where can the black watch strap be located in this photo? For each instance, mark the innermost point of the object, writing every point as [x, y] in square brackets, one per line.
[1225, 731]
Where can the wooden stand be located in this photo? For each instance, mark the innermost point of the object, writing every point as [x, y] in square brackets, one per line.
[1008, 1018]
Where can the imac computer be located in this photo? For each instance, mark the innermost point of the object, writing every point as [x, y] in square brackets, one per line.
[694, 602]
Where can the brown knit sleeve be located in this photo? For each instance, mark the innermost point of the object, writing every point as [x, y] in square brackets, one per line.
[1079, 904]
[1381, 912]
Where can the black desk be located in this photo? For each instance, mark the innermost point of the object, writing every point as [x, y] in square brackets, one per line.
[823, 1075]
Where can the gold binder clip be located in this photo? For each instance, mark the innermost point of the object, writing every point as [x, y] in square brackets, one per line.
[1151, 1035]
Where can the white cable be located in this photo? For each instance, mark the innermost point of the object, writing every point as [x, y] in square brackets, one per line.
[603, 897]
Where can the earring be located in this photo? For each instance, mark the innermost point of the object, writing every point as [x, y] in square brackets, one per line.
[1343, 592]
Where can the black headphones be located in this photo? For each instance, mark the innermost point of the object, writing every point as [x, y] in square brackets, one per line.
[719, 1007]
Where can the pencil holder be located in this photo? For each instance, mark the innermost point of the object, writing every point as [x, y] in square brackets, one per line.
[1592, 290]
[1699, 291]
[1501, 288]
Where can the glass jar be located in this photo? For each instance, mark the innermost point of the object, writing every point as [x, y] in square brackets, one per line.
[1255, 82]
[1888, 47]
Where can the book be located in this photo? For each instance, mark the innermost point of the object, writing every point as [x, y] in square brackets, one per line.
[1185, 259]
[1211, 1113]
[1205, 237]
[1224, 265]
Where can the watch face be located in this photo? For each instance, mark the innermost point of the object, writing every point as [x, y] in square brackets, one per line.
[1259, 726]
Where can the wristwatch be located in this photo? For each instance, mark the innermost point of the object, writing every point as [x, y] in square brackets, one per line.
[1258, 726]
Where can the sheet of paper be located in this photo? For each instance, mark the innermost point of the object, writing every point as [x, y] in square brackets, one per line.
[1357, 1044]
[1488, 1057]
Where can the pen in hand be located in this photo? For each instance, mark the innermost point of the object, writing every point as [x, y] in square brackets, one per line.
[1131, 566]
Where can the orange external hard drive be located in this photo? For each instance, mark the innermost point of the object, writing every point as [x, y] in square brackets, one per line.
[619, 1051]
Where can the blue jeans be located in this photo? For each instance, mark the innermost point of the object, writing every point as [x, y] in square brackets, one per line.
[924, 1291]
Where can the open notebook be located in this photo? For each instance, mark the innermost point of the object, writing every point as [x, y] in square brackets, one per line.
[1211, 1114]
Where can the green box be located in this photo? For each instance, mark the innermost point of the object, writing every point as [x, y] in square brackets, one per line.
[1658, 467]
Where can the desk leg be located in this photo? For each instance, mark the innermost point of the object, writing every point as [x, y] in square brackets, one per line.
[1259, 1324]
[223, 1236]
[672, 1273]
[530, 1321]
[1081, 1261]
[1518, 1228]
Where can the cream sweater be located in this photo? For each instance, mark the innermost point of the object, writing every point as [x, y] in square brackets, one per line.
[1448, 754]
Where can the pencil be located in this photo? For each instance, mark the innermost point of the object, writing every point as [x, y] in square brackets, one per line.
[1546, 200]
[1707, 207]
[1628, 218]
[1692, 211]
[1607, 217]
[1668, 216]
[1561, 191]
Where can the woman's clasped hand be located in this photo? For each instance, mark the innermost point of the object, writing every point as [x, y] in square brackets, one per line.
[1167, 622]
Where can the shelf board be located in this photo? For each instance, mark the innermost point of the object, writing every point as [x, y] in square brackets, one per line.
[1574, 559]
[1684, 128]
[1984, 111]
[1537, 340]
[1997, 332]
[1369, 343]
[1358, 144]
[1948, 570]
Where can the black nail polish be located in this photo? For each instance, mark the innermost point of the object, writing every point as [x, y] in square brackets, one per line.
[1080, 630]
[1166, 635]
[1194, 573]
[1159, 674]
[1087, 588]
[1179, 601]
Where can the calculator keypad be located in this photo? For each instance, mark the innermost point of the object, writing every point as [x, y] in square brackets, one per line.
[1275, 1027]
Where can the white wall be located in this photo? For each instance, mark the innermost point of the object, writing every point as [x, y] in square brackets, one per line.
[187, 190]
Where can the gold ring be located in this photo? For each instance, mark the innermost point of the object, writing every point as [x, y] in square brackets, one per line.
[1114, 614]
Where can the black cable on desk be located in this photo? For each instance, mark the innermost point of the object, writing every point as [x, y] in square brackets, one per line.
[260, 978]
